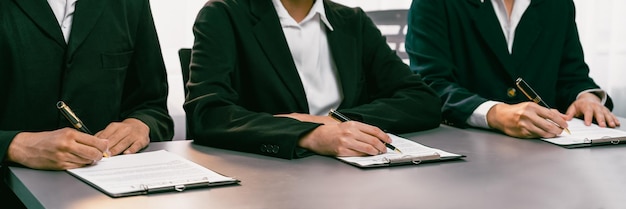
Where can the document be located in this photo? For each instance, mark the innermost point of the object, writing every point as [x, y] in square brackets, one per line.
[412, 153]
[147, 172]
[585, 136]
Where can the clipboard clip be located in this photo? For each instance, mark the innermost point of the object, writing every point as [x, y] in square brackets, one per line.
[147, 190]
[413, 159]
[605, 140]
[179, 188]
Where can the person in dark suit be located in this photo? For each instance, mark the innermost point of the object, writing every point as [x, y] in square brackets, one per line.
[264, 75]
[472, 52]
[102, 58]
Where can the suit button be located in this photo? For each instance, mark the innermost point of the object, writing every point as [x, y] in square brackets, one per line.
[511, 92]
[275, 149]
[263, 148]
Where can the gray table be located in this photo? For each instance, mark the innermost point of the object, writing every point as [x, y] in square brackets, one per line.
[499, 172]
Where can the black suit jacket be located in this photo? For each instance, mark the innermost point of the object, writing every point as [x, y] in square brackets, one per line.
[242, 73]
[110, 70]
[459, 49]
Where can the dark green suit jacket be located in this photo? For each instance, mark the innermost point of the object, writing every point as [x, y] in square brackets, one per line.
[242, 73]
[459, 48]
[110, 70]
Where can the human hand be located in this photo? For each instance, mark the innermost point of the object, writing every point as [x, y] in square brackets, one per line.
[526, 120]
[589, 106]
[350, 138]
[56, 150]
[127, 137]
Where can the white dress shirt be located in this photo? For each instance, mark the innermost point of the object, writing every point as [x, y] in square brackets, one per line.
[509, 24]
[311, 54]
[64, 12]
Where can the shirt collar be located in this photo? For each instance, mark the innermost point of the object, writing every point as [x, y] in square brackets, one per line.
[317, 9]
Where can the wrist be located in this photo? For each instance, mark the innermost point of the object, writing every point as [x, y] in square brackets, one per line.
[589, 96]
[492, 116]
[14, 152]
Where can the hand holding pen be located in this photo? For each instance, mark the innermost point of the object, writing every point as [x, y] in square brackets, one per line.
[76, 122]
[342, 118]
[534, 97]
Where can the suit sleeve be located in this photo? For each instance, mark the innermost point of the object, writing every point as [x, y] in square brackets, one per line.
[145, 87]
[399, 100]
[214, 116]
[6, 137]
[574, 72]
[428, 46]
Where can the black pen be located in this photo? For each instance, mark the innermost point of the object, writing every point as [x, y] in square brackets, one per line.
[342, 118]
[533, 96]
[75, 121]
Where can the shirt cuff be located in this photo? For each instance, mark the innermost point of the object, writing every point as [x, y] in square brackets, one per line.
[598, 92]
[479, 116]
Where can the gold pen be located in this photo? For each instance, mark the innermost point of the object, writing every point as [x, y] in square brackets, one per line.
[533, 96]
[342, 118]
[76, 122]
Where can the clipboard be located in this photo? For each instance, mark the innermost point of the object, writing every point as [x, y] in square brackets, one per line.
[588, 136]
[147, 173]
[586, 142]
[413, 154]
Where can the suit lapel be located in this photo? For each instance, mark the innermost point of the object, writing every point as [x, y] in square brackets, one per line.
[342, 48]
[273, 42]
[489, 27]
[39, 11]
[526, 34]
[86, 15]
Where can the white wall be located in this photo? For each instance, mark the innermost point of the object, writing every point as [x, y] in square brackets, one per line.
[174, 21]
[600, 23]
[602, 32]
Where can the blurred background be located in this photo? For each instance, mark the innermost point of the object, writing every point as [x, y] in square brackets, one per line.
[601, 24]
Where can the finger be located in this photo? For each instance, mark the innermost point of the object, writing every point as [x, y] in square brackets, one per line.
[561, 115]
[525, 133]
[119, 140]
[346, 152]
[84, 154]
[375, 132]
[610, 120]
[107, 132]
[599, 116]
[88, 142]
[553, 117]
[353, 147]
[369, 144]
[543, 127]
[587, 114]
[121, 145]
[67, 159]
[136, 146]
[71, 165]
[571, 112]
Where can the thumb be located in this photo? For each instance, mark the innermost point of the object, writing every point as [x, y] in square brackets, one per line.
[570, 113]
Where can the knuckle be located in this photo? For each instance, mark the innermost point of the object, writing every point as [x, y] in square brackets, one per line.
[67, 132]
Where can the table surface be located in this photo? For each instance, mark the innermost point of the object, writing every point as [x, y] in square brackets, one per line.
[498, 172]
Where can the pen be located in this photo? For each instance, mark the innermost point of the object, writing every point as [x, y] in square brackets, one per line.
[342, 118]
[77, 123]
[533, 96]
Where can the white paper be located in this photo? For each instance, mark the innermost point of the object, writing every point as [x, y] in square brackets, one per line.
[407, 147]
[584, 134]
[146, 170]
